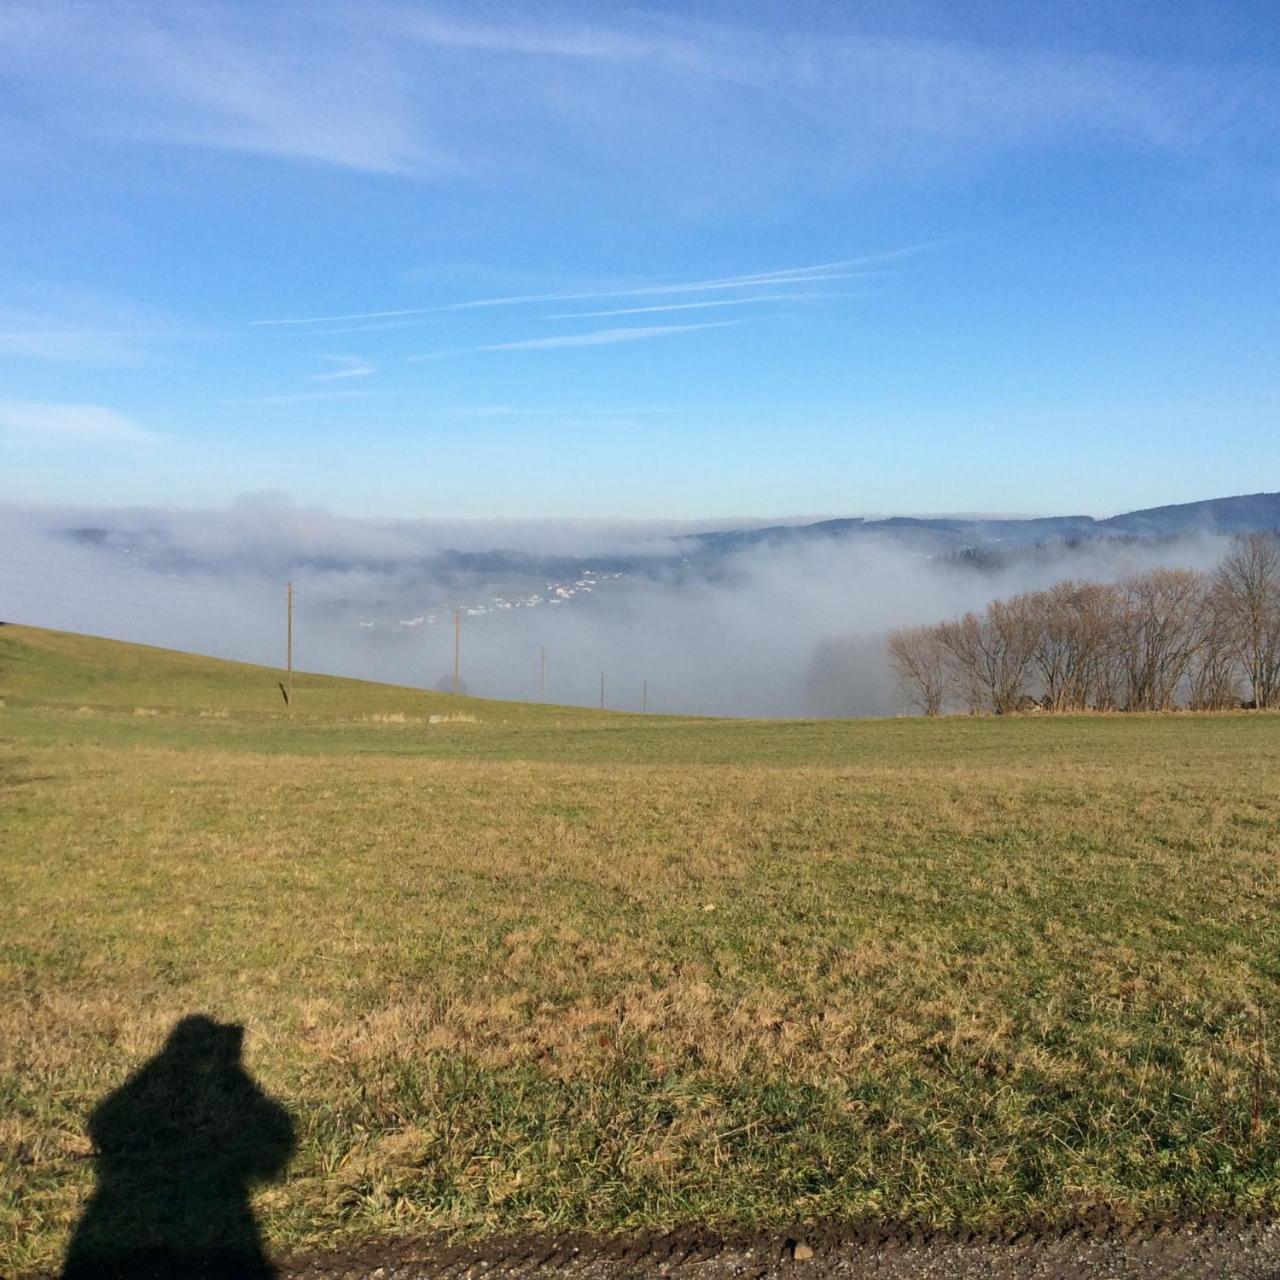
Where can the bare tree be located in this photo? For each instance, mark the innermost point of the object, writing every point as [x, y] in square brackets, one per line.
[1144, 644]
[961, 640]
[1160, 632]
[1099, 672]
[1074, 624]
[990, 655]
[1214, 674]
[1248, 583]
[919, 660]
[1008, 643]
[1054, 655]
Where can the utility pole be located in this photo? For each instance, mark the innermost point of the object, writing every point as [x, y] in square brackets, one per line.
[288, 595]
[602, 691]
[644, 698]
[457, 650]
[542, 675]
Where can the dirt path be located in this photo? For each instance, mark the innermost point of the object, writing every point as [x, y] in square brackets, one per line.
[1236, 1251]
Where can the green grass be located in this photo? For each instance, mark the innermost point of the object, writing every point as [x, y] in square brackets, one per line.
[70, 690]
[553, 968]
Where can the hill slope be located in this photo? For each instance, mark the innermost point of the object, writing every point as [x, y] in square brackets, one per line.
[65, 668]
[67, 690]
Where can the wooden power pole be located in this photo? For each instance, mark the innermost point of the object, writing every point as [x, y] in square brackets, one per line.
[288, 630]
[457, 650]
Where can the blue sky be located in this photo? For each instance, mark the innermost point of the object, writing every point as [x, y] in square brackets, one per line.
[679, 260]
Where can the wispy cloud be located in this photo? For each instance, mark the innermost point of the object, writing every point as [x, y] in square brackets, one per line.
[696, 306]
[557, 40]
[68, 344]
[227, 79]
[605, 337]
[86, 423]
[780, 279]
[348, 367]
[353, 315]
[413, 323]
[596, 338]
[432, 95]
[48, 320]
[842, 270]
[304, 397]
[559, 411]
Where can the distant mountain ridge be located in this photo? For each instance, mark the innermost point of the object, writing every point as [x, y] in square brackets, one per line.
[937, 536]
[1240, 514]
[1246, 513]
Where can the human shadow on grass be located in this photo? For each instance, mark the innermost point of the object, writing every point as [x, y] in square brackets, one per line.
[177, 1149]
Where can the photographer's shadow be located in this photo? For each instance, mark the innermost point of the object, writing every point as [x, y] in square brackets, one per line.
[178, 1148]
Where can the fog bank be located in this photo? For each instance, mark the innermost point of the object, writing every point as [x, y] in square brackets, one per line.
[795, 629]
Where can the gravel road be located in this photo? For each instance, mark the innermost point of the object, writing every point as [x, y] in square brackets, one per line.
[1240, 1251]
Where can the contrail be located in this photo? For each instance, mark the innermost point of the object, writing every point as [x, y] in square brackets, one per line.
[843, 269]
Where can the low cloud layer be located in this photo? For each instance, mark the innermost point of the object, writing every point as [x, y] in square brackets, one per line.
[795, 629]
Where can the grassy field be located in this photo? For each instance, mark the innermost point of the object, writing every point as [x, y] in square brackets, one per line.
[527, 968]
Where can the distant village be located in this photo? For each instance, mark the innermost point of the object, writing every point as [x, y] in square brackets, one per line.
[556, 593]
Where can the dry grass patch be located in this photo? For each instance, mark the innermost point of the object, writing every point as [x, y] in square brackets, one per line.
[943, 989]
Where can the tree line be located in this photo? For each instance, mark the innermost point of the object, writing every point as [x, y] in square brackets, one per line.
[1152, 642]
